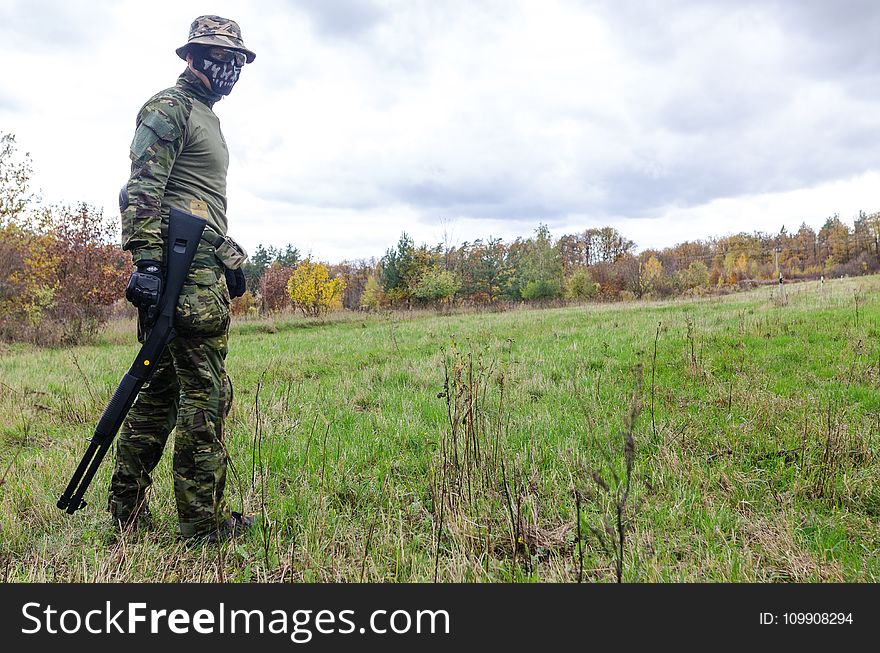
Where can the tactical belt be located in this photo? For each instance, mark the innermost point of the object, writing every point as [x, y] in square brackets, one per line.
[230, 254]
[212, 237]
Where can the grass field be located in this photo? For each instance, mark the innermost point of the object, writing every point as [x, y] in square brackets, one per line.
[492, 447]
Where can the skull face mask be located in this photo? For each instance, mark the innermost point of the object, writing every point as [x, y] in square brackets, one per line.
[222, 67]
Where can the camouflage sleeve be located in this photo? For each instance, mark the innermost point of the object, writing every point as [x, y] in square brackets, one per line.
[158, 140]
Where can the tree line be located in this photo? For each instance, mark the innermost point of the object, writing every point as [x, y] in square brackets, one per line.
[63, 271]
[595, 264]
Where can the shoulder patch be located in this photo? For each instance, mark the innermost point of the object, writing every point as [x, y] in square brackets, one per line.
[166, 113]
[161, 124]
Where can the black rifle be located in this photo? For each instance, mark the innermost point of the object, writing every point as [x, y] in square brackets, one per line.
[184, 233]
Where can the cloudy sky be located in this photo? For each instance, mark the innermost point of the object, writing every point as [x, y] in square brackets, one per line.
[360, 119]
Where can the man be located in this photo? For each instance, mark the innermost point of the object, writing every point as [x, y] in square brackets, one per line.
[179, 160]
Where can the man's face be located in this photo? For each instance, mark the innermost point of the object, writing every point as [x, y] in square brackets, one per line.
[220, 66]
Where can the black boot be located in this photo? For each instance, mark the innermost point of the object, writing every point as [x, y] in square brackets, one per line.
[235, 526]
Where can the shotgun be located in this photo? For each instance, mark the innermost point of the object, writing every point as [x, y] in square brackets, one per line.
[184, 233]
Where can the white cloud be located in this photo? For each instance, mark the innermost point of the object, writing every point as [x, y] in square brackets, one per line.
[360, 120]
[766, 212]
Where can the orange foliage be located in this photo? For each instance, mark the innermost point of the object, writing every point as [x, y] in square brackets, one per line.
[61, 276]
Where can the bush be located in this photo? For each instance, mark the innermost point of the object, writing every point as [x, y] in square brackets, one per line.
[436, 286]
[246, 305]
[541, 289]
[91, 270]
[864, 263]
[653, 280]
[694, 280]
[580, 286]
[273, 288]
[62, 269]
[27, 281]
[373, 298]
[61, 275]
[312, 290]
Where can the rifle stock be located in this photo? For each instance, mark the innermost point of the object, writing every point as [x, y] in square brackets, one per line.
[184, 233]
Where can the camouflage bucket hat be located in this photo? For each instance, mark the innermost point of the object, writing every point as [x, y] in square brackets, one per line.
[215, 31]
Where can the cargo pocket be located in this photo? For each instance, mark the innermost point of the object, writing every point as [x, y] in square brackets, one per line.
[231, 254]
[202, 309]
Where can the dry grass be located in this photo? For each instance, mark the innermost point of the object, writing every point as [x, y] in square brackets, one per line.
[463, 447]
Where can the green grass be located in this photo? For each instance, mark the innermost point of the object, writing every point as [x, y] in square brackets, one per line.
[757, 462]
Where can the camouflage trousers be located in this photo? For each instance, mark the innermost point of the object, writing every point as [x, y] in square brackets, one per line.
[190, 391]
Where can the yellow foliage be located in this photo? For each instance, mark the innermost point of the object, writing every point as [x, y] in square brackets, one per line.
[652, 275]
[27, 282]
[312, 290]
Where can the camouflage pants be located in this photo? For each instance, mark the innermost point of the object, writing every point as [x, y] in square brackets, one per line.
[189, 390]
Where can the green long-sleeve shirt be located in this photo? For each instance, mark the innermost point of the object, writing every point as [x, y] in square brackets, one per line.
[179, 160]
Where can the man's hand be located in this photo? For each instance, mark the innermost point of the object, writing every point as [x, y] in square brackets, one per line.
[145, 284]
[235, 282]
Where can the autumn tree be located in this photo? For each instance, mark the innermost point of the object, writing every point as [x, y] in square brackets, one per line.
[28, 274]
[246, 305]
[62, 268]
[542, 269]
[27, 280]
[394, 268]
[579, 285]
[311, 289]
[254, 267]
[834, 241]
[436, 286]
[273, 288]
[652, 278]
[91, 271]
[694, 279]
[871, 226]
[805, 246]
[373, 298]
[15, 175]
[356, 274]
[488, 262]
[260, 260]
